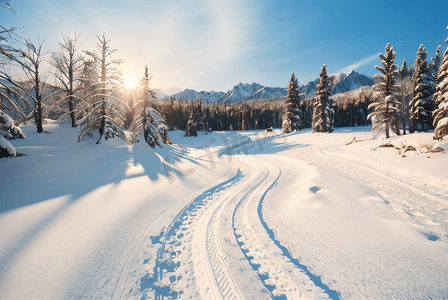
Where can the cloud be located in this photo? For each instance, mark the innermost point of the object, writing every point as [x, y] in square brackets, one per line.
[358, 64]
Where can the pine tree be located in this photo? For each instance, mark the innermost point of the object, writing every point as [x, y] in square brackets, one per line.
[405, 94]
[422, 105]
[192, 125]
[386, 105]
[155, 132]
[441, 99]
[405, 71]
[291, 118]
[322, 112]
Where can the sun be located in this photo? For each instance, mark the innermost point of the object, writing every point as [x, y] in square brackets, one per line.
[129, 81]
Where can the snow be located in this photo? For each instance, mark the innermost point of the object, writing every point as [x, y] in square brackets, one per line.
[242, 215]
[4, 144]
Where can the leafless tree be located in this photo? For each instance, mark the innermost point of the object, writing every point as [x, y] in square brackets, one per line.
[101, 104]
[69, 66]
[30, 62]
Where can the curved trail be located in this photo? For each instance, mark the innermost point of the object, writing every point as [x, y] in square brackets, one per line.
[219, 247]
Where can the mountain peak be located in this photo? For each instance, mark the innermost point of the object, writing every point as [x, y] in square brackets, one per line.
[248, 91]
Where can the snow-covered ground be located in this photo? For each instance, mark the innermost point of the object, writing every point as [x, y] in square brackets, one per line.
[227, 215]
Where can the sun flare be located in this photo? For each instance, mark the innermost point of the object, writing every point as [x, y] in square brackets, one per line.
[129, 81]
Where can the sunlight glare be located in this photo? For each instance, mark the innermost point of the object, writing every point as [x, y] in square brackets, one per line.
[129, 81]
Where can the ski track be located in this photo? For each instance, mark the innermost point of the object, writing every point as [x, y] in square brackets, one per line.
[424, 201]
[282, 274]
[191, 259]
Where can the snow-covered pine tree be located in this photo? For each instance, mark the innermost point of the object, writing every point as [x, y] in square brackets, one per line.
[192, 126]
[422, 105]
[385, 103]
[441, 99]
[435, 63]
[155, 131]
[405, 92]
[405, 71]
[291, 118]
[322, 111]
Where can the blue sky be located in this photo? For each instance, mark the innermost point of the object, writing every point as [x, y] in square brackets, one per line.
[213, 44]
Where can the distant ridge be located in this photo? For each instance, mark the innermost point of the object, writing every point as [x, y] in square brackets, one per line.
[244, 91]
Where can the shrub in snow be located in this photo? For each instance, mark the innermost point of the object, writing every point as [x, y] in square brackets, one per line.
[8, 131]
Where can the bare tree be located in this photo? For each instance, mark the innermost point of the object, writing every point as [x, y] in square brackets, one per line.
[6, 34]
[29, 61]
[69, 67]
[101, 98]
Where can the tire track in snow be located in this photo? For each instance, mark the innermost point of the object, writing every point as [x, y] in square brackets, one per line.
[283, 275]
[175, 265]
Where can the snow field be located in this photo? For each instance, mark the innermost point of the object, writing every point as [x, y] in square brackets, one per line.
[225, 215]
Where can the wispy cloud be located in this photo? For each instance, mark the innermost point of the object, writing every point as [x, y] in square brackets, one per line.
[358, 64]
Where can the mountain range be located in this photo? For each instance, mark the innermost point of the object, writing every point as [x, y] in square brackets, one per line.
[244, 91]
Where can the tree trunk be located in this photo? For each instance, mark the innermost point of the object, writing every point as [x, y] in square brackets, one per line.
[71, 108]
[403, 122]
[38, 117]
[387, 121]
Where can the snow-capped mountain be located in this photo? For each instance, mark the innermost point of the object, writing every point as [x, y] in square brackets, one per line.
[244, 91]
[339, 83]
[267, 93]
[240, 92]
[188, 94]
[348, 82]
[163, 93]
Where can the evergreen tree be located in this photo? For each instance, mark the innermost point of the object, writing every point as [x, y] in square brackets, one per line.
[422, 105]
[405, 71]
[322, 112]
[291, 118]
[155, 132]
[385, 103]
[192, 126]
[405, 93]
[441, 99]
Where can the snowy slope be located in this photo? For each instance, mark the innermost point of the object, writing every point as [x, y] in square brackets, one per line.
[267, 93]
[227, 215]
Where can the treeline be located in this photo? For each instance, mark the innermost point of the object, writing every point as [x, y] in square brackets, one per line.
[349, 110]
[215, 117]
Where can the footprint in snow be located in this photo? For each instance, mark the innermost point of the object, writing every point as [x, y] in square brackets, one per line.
[315, 189]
